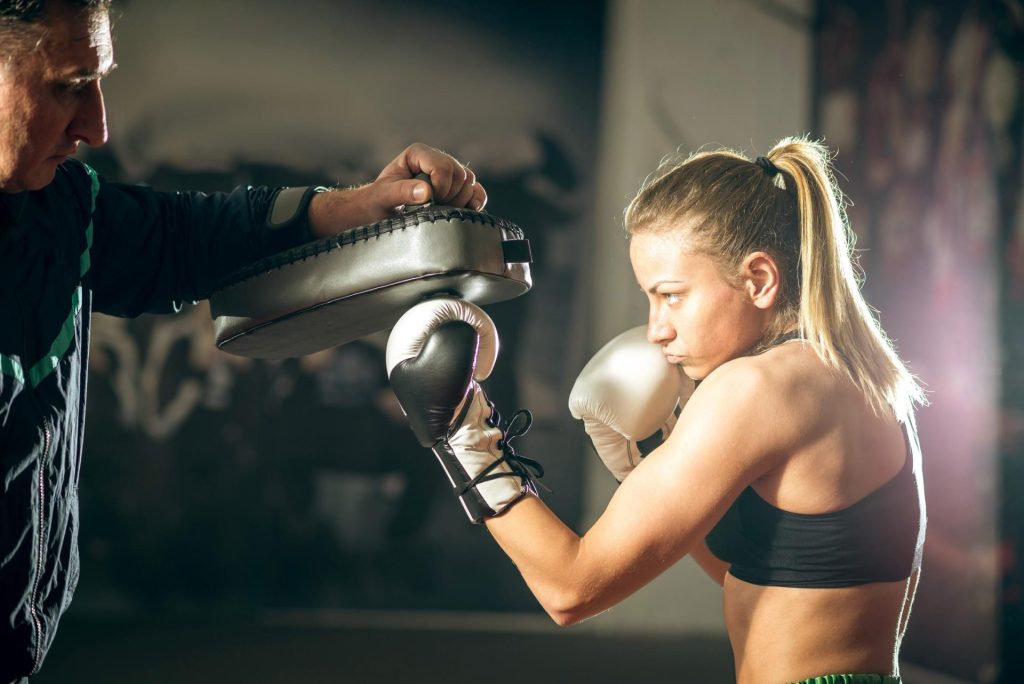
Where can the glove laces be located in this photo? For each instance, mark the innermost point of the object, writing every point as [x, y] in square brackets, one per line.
[521, 466]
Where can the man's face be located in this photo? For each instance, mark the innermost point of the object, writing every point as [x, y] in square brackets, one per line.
[50, 97]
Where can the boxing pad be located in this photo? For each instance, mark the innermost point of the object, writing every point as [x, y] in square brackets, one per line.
[627, 396]
[350, 285]
[437, 354]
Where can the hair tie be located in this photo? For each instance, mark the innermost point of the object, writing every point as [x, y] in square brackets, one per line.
[765, 163]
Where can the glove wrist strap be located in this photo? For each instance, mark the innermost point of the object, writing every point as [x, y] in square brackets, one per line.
[504, 481]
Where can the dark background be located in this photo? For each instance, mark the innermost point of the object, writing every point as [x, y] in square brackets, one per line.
[923, 101]
[266, 521]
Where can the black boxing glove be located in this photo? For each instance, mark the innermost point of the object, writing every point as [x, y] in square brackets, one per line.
[437, 354]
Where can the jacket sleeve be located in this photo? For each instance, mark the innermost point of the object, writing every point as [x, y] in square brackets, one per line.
[153, 250]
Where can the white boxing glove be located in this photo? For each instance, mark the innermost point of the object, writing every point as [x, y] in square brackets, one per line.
[627, 396]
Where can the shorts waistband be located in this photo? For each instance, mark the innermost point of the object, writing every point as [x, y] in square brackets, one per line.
[852, 679]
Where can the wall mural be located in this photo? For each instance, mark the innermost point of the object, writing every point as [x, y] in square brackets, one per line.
[922, 103]
[217, 482]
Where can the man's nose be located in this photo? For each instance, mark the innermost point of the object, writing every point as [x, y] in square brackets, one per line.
[90, 122]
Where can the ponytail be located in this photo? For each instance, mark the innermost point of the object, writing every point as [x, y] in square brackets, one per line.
[833, 314]
[787, 204]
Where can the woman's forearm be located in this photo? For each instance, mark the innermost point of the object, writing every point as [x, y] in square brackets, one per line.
[547, 554]
[575, 577]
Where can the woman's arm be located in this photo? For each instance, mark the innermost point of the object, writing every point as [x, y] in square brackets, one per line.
[727, 435]
[709, 563]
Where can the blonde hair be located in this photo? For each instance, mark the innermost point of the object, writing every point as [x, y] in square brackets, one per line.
[731, 206]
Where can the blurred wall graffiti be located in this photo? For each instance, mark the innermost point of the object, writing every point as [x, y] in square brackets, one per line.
[922, 103]
[214, 482]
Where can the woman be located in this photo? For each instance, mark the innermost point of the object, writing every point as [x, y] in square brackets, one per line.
[792, 474]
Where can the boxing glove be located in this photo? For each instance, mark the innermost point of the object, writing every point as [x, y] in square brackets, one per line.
[437, 354]
[627, 396]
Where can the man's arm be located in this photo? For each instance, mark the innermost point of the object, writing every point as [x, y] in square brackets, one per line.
[154, 250]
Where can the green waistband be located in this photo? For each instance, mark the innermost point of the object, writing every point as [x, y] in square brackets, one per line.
[852, 679]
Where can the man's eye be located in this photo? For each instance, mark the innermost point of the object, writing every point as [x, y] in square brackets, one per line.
[670, 297]
[72, 88]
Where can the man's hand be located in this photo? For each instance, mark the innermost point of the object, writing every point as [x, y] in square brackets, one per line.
[454, 185]
[451, 184]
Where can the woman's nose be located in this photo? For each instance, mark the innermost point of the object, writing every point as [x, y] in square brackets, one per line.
[659, 331]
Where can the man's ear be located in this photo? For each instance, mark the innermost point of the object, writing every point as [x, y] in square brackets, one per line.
[762, 279]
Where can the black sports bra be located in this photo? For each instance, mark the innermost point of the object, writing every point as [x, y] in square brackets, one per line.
[877, 539]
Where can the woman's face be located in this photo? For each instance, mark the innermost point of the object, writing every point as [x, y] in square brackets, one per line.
[700, 319]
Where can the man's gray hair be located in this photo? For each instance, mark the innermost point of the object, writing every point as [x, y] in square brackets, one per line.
[22, 22]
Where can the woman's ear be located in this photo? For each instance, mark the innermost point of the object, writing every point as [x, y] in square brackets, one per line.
[762, 279]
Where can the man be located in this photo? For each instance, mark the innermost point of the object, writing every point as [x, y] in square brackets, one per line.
[71, 243]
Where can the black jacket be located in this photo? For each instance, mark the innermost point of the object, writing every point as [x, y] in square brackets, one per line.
[78, 245]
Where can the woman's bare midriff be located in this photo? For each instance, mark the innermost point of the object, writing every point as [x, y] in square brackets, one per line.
[784, 634]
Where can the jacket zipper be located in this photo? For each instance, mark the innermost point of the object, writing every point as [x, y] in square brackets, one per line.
[50, 429]
[41, 546]
[44, 463]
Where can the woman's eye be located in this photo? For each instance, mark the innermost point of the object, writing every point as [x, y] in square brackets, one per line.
[670, 297]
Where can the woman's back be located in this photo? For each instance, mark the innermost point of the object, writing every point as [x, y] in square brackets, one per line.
[812, 610]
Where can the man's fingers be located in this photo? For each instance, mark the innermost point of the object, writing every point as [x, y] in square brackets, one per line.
[447, 175]
[420, 192]
[451, 183]
[479, 200]
[389, 195]
[464, 195]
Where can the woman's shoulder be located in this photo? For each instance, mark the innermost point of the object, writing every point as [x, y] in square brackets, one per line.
[789, 386]
[747, 416]
[793, 368]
